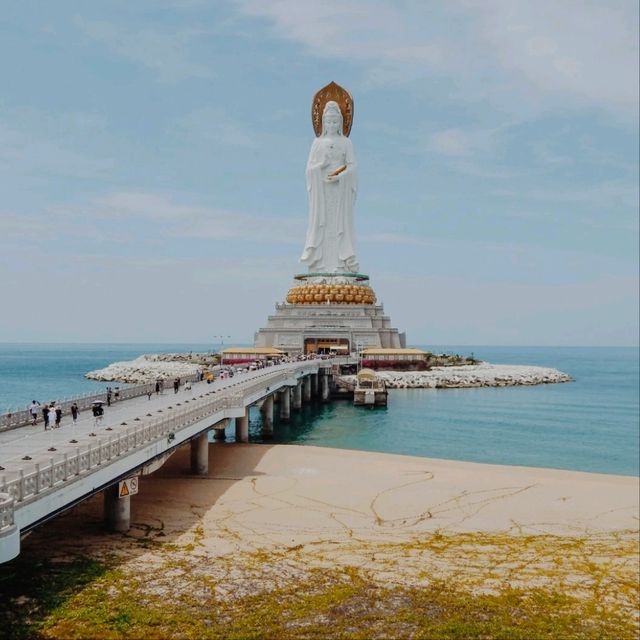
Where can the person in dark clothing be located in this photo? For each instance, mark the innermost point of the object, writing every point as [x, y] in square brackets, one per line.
[108, 396]
[176, 385]
[157, 387]
[74, 412]
[45, 416]
[58, 412]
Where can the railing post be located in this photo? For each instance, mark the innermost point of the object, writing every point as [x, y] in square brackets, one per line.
[37, 478]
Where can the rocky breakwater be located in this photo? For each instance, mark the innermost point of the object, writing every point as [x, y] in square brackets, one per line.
[480, 375]
[147, 368]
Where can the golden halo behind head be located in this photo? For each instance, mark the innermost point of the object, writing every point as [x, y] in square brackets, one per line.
[336, 93]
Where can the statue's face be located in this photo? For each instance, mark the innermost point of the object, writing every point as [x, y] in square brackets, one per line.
[332, 123]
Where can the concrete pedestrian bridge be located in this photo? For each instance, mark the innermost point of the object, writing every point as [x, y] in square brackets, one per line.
[43, 473]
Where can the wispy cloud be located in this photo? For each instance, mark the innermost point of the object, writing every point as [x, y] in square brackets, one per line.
[38, 143]
[138, 217]
[166, 53]
[213, 125]
[544, 49]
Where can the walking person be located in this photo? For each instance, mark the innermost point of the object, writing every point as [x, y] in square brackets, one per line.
[157, 387]
[74, 412]
[176, 385]
[58, 412]
[33, 410]
[45, 416]
[109, 396]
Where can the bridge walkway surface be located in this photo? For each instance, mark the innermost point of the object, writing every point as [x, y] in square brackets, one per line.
[43, 473]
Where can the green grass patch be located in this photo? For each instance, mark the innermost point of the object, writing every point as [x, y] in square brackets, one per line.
[335, 604]
[488, 586]
[32, 588]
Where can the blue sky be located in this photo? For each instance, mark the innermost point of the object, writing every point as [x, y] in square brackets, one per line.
[152, 161]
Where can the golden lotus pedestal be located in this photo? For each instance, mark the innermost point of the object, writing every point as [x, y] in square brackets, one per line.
[331, 294]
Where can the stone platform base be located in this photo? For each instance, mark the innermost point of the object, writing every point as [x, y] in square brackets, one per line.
[304, 328]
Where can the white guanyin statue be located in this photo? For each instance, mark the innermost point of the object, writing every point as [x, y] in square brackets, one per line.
[331, 185]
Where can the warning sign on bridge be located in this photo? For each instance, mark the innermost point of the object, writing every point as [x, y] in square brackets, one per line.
[127, 487]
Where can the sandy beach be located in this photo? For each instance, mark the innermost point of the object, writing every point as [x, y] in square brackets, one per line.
[271, 518]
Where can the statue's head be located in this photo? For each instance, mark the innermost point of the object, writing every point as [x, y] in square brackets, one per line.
[331, 119]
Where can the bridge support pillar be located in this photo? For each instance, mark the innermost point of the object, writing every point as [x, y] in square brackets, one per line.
[200, 454]
[267, 416]
[324, 387]
[242, 428]
[285, 404]
[314, 384]
[219, 428]
[306, 389]
[117, 511]
[297, 396]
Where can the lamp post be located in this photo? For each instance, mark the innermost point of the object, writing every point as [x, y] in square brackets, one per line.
[221, 346]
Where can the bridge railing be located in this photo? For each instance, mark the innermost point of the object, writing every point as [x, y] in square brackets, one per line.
[66, 467]
[6, 510]
[23, 417]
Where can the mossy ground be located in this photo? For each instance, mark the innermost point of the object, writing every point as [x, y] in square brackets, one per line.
[437, 586]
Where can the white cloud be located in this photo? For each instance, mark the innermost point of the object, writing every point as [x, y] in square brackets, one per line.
[584, 49]
[166, 53]
[135, 218]
[451, 142]
[569, 52]
[37, 143]
[210, 124]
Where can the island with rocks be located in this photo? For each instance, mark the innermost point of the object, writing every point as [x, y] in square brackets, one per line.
[150, 367]
[482, 374]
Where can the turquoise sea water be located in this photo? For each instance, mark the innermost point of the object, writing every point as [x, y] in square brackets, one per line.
[46, 372]
[589, 425]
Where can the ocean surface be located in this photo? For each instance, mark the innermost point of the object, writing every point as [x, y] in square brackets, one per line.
[591, 424]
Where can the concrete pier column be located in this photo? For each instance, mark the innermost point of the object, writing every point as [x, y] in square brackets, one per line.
[297, 396]
[242, 428]
[314, 384]
[306, 389]
[117, 511]
[267, 415]
[200, 454]
[285, 404]
[324, 387]
[219, 429]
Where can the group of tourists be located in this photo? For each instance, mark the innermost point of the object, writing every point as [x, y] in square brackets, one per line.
[51, 410]
[112, 393]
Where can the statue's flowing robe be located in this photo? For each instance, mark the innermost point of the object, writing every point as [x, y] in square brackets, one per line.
[330, 212]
